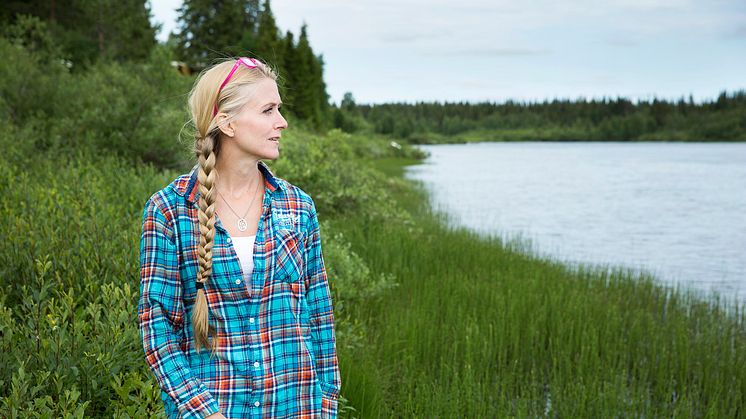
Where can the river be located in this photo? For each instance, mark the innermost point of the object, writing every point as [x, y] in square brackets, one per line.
[676, 210]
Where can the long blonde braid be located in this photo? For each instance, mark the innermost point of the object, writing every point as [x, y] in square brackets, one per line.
[202, 99]
[206, 215]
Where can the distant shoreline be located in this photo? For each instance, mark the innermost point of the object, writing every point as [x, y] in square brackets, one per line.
[480, 136]
[619, 119]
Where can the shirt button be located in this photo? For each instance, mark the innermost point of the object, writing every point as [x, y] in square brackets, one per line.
[251, 320]
[256, 404]
[230, 240]
[256, 364]
[238, 281]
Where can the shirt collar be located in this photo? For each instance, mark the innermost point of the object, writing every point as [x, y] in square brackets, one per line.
[192, 189]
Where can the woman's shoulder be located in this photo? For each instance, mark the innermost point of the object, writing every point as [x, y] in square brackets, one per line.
[283, 191]
[175, 193]
[294, 206]
[294, 195]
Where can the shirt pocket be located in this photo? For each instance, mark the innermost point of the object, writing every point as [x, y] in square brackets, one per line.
[289, 266]
[289, 275]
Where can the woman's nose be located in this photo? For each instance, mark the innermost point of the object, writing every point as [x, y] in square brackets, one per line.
[283, 123]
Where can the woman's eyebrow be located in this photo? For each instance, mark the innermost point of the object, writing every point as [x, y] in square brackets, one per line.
[272, 103]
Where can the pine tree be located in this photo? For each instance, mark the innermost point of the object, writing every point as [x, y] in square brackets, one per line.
[348, 102]
[322, 98]
[289, 74]
[248, 41]
[307, 73]
[212, 29]
[269, 47]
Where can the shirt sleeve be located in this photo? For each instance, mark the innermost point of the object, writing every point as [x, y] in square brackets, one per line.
[319, 301]
[161, 317]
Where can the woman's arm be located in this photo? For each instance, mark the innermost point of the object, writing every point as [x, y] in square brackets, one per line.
[161, 317]
[322, 320]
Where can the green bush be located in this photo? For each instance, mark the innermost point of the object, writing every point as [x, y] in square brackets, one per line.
[131, 110]
[69, 272]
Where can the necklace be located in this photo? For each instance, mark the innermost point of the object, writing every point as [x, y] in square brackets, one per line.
[241, 223]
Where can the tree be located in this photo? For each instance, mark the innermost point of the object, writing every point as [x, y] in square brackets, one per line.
[289, 75]
[210, 29]
[88, 30]
[312, 101]
[305, 105]
[269, 46]
[321, 95]
[121, 30]
[348, 102]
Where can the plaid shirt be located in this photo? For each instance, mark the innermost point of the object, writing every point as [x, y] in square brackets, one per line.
[275, 350]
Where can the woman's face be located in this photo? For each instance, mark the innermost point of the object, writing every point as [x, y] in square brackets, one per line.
[257, 128]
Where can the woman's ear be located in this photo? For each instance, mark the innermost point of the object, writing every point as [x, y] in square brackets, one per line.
[226, 129]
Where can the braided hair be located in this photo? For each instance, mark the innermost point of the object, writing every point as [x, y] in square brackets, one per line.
[202, 99]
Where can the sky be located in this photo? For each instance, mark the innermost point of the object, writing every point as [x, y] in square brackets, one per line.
[387, 51]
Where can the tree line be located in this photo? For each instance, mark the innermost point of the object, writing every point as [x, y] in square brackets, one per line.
[618, 119]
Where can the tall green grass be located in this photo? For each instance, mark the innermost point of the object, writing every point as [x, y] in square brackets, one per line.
[478, 327]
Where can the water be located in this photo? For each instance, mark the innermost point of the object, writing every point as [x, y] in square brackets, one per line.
[677, 210]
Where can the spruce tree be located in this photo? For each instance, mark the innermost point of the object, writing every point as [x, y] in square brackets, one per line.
[269, 47]
[210, 29]
[289, 74]
[322, 98]
[307, 98]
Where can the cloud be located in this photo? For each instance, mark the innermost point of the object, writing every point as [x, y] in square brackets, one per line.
[495, 52]
[737, 32]
[406, 37]
[622, 42]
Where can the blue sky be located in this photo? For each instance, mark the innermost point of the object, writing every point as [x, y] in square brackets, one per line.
[478, 50]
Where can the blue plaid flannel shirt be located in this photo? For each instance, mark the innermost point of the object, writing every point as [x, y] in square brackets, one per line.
[275, 350]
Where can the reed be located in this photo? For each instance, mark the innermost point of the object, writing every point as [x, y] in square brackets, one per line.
[481, 327]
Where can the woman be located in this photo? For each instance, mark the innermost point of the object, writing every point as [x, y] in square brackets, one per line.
[235, 311]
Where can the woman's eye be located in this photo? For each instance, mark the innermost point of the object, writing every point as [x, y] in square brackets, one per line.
[268, 110]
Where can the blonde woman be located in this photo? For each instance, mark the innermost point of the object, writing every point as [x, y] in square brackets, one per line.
[235, 311]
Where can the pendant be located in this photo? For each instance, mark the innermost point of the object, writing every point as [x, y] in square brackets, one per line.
[242, 224]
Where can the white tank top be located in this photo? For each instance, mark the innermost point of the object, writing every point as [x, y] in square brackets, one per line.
[244, 247]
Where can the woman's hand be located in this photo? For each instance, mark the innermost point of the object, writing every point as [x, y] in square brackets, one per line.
[216, 416]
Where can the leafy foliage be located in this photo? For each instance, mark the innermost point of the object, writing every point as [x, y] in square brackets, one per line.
[129, 110]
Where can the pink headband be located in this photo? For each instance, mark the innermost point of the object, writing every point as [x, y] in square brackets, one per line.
[248, 62]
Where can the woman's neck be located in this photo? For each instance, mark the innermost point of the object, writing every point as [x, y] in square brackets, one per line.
[237, 177]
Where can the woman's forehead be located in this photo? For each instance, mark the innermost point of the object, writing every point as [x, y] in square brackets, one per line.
[264, 92]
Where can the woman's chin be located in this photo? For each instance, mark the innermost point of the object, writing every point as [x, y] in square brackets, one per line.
[271, 155]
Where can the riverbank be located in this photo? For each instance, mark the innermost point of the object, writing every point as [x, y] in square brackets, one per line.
[560, 133]
[472, 328]
[480, 328]
[647, 206]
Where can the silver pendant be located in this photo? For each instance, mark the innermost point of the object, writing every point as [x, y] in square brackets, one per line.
[242, 224]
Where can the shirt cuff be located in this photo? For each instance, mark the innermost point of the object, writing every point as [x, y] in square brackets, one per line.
[200, 406]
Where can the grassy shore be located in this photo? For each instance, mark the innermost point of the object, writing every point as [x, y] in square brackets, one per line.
[474, 328]
[481, 328]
